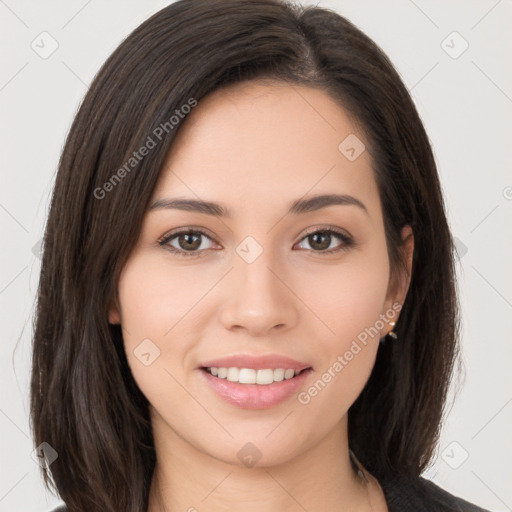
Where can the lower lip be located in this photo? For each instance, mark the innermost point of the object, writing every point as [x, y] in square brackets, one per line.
[255, 396]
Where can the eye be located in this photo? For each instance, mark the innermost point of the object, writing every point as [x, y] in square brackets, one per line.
[187, 242]
[322, 239]
[191, 242]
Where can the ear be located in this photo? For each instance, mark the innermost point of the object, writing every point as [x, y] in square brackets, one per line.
[401, 276]
[113, 315]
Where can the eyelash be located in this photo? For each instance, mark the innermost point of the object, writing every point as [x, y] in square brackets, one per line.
[164, 241]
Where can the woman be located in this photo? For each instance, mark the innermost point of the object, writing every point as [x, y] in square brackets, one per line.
[247, 296]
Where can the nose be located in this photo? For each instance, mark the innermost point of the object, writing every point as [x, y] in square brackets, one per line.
[260, 298]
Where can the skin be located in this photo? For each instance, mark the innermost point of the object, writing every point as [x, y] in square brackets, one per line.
[256, 147]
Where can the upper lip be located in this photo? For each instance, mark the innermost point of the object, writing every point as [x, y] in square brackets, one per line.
[261, 362]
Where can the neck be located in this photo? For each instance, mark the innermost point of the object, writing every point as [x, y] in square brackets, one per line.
[321, 478]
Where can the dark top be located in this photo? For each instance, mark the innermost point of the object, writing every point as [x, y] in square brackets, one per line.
[422, 495]
[411, 495]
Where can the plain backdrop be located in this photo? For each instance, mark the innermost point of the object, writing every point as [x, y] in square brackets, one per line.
[455, 59]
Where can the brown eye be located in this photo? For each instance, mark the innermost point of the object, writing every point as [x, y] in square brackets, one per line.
[189, 241]
[322, 240]
[195, 242]
[186, 243]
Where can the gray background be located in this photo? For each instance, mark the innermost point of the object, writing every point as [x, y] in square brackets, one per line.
[465, 100]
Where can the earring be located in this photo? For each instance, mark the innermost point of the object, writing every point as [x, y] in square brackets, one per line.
[392, 333]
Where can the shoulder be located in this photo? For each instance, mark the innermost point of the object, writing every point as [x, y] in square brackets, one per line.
[421, 495]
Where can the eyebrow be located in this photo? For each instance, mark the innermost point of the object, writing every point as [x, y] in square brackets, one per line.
[299, 206]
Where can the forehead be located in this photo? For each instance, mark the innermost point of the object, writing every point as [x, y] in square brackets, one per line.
[267, 141]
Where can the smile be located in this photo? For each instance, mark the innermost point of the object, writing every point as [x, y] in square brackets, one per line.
[251, 376]
[244, 389]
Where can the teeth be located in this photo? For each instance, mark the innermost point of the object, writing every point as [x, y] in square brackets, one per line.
[262, 376]
[247, 376]
[233, 374]
[250, 376]
[279, 374]
[288, 374]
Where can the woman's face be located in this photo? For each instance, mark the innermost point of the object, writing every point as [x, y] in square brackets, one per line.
[263, 288]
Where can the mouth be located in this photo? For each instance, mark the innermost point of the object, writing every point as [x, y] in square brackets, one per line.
[260, 377]
[255, 382]
[250, 381]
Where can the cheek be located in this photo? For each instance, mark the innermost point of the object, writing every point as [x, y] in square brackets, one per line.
[351, 303]
[155, 306]
[155, 298]
[348, 298]
[359, 301]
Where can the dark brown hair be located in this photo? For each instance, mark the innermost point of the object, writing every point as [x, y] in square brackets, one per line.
[84, 400]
